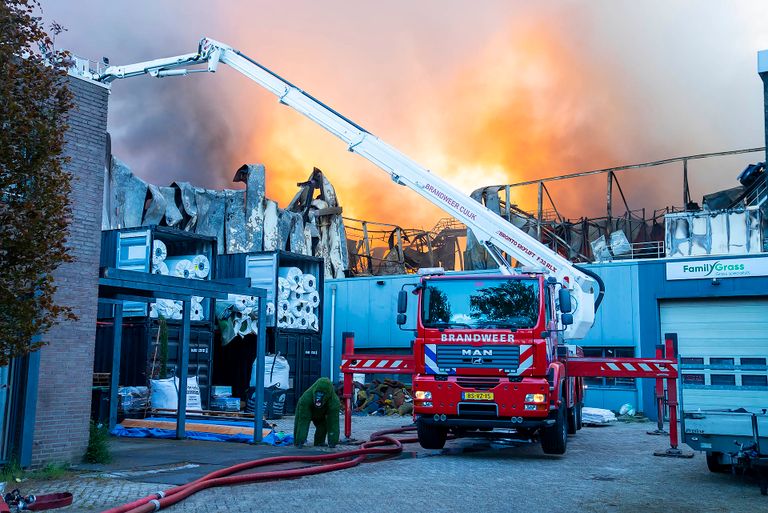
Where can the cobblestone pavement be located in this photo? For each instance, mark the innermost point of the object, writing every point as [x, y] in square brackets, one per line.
[606, 469]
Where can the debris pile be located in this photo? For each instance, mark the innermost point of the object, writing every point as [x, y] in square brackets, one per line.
[597, 416]
[388, 397]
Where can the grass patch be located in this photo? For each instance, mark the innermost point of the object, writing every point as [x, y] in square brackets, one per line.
[12, 473]
[98, 445]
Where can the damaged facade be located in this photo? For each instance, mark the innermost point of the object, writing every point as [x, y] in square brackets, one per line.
[243, 221]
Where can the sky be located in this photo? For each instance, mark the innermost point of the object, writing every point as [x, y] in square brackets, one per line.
[481, 93]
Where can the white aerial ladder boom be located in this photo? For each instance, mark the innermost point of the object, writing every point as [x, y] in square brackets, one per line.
[492, 231]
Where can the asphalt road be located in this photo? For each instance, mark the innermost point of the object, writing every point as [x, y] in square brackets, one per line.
[606, 469]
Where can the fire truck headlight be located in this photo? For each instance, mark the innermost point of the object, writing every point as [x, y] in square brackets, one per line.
[535, 398]
[421, 395]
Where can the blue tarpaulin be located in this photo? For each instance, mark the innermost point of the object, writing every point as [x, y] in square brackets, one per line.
[273, 438]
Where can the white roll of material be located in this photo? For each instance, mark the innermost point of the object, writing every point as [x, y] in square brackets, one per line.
[250, 301]
[196, 312]
[242, 325]
[270, 309]
[197, 299]
[283, 307]
[296, 295]
[313, 298]
[302, 322]
[291, 321]
[160, 268]
[306, 309]
[283, 288]
[313, 322]
[184, 269]
[308, 283]
[238, 302]
[292, 274]
[202, 266]
[296, 307]
[152, 311]
[159, 251]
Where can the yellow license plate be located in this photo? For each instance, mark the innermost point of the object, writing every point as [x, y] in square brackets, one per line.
[477, 396]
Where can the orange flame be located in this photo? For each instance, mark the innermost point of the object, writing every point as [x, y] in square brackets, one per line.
[525, 107]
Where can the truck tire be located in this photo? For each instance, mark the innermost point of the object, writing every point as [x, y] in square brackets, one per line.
[431, 437]
[714, 465]
[554, 438]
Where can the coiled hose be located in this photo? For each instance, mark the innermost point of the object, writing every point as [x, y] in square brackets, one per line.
[381, 443]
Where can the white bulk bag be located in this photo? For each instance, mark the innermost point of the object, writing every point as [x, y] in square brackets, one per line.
[276, 370]
[165, 394]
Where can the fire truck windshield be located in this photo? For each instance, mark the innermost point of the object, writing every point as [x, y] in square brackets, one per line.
[481, 303]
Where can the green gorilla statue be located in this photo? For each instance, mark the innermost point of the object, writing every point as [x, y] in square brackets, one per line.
[321, 405]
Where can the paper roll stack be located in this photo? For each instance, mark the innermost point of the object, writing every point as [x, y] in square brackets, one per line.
[196, 267]
[298, 299]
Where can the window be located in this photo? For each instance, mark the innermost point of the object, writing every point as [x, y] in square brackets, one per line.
[723, 379]
[610, 352]
[693, 379]
[721, 362]
[751, 380]
[692, 361]
[481, 303]
[753, 362]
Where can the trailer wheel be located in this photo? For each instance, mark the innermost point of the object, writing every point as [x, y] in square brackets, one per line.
[714, 465]
[431, 437]
[554, 438]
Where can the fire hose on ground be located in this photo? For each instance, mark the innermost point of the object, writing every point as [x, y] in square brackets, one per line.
[381, 443]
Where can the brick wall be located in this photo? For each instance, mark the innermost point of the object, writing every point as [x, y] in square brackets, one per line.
[66, 364]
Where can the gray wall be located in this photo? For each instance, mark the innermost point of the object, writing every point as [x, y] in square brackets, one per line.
[66, 364]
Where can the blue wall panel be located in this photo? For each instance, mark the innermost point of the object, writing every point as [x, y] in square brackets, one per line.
[628, 317]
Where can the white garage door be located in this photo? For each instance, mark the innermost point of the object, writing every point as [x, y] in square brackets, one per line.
[723, 345]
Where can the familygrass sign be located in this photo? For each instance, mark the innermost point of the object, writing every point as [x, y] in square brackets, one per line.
[709, 269]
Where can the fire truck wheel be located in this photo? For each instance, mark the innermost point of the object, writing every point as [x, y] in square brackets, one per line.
[714, 465]
[554, 438]
[431, 437]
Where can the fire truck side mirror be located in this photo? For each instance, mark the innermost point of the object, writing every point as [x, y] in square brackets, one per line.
[401, 319]
[566, 319]
[564, 297]
[402, 304]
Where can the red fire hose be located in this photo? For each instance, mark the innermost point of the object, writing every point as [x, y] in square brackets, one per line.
[380, 443]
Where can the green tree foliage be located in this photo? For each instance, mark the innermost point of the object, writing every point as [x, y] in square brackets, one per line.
[512, 300]
[439, 306]
[34, 186]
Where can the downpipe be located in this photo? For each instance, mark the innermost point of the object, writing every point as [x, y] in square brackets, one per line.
[381, 444]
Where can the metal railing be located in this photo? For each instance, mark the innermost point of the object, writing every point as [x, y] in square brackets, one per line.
[650, 249]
